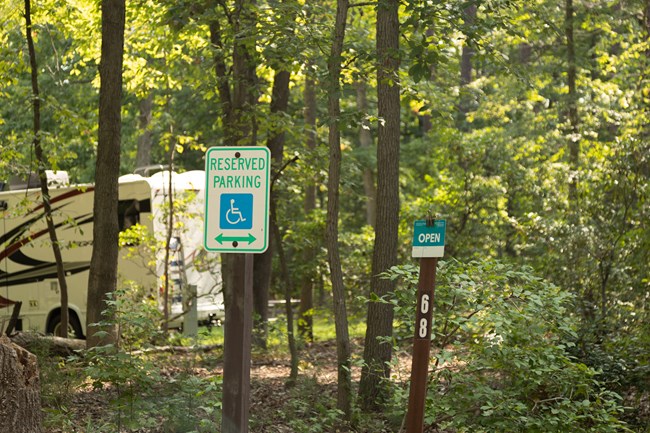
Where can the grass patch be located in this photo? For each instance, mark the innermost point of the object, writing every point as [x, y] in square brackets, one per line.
[324, 330]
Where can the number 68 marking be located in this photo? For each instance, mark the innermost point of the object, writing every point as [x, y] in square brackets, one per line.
[424, 305]
[423, 331]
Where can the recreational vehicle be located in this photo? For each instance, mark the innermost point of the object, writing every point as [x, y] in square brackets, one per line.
[28, 269]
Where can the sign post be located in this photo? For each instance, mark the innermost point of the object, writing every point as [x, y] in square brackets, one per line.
[237, 203]
[428, 245]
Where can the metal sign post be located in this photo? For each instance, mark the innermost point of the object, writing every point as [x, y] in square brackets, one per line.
[237, 195]
[428, 245]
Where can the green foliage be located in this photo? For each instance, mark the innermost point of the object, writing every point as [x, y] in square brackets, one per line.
[144, 394]
[316, 416]
[503, 362]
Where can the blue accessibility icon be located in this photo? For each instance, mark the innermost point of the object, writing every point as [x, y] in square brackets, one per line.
[236, 212]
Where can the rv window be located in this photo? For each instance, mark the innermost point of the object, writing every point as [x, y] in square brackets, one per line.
[128, 213]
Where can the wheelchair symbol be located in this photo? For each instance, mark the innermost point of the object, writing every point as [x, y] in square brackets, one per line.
[233, 215]
[236, 212]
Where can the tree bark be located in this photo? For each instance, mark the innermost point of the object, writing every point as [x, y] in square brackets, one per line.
[377, 351]
[103, 264]
[20, 392]
[38, 152]
[344, 386]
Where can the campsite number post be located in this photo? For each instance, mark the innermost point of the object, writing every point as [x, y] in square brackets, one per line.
[428, 245]
[236, 221]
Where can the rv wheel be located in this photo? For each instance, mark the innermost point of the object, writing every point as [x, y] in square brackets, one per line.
[74, 326]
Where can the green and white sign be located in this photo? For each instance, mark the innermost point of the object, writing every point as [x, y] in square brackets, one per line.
[429, 240]
[237, 199]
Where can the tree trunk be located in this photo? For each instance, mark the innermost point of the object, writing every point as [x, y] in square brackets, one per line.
[264, 261]
[168, 235]
[305, 321]
[378, 350]
[50, 344]
[20, 392]
[262, 267]
[237, 88]
[38, 152]
[288, 290]
[344, 388]
[572, 108]
[237, 96]
[424, 120]
[103, 264]
[466, 71]
[143, 155]
[365, 143]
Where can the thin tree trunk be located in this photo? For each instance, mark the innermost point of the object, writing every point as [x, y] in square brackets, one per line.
[264, 261]
[262, 267]
[143, 155]
[424, 120]
[223, 85]
[365, 143]
[344, 388]
[103, 264]
[466, 71]
[378, 350]
[230, 138]
[168, 236]
[237, 90]
[574, 139]
[288, 290]
[38, 152]
[305, 321]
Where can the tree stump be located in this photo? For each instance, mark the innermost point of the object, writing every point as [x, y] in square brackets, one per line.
[20, 393]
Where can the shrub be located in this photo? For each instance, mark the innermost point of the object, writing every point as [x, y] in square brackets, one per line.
[502, 340]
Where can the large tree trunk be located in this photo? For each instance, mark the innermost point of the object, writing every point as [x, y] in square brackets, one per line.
[103, 264]
[344, 395]
[378, 351]
[20, 392]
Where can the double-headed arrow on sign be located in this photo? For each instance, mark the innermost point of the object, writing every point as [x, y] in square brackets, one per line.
[249, 238]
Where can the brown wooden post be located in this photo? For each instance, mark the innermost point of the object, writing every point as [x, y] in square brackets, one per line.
[421, 345]
[237, 348]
